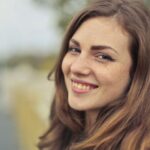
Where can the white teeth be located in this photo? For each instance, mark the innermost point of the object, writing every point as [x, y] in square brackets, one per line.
[81, 86]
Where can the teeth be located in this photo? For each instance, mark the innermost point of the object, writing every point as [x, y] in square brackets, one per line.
[81, 86]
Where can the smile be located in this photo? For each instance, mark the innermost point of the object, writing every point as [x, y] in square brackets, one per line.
[81, 87]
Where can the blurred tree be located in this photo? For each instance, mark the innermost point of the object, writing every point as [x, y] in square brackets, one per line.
[147, 2]
[63, 8]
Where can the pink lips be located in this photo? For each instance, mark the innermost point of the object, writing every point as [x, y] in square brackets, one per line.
[83, 83]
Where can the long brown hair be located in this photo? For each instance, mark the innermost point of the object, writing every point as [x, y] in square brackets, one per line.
[123, 124]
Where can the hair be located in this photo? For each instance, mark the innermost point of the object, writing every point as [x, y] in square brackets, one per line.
[123, 124]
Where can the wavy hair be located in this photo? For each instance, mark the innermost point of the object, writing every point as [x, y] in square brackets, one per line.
[123, 124]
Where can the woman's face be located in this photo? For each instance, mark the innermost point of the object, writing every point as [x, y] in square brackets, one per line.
[97, 65]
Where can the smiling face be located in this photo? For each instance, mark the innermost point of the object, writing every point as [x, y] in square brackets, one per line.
[97, 65]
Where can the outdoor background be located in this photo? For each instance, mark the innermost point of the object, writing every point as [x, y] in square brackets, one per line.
[31, 32]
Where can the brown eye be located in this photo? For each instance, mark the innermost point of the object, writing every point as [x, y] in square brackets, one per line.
[74, 50]
[104, 57]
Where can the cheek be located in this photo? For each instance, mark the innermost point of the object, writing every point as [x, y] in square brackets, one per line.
[65, 65]
[103, 75]
[112, 76]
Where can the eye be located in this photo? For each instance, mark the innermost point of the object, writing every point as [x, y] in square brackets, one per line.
[104, 57]
[74, 50]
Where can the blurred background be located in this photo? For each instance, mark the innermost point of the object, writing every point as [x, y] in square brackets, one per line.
[30, 37]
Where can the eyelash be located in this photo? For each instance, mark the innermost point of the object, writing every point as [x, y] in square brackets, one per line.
[104, 57]
[75, 51]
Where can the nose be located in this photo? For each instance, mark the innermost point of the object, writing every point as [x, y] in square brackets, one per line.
[80, 66]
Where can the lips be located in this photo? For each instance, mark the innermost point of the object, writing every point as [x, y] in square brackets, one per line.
[79, 86]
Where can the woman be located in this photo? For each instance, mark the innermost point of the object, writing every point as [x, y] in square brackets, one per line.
[102, 78]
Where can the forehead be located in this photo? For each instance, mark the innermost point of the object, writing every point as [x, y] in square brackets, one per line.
[102, 30]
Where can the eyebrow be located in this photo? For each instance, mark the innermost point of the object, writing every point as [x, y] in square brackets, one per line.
[95, 47]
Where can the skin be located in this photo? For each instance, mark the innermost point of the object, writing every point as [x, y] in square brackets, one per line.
[98, 54]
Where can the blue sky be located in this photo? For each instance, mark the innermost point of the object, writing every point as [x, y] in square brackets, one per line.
[26, 27]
